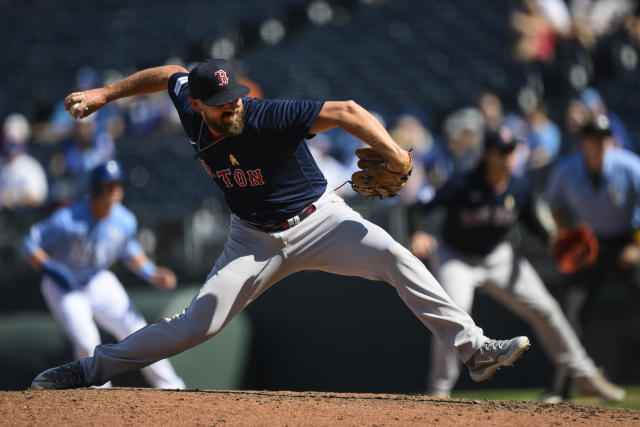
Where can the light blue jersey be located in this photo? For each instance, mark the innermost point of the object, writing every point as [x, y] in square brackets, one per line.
[611, 207]
[73, 237]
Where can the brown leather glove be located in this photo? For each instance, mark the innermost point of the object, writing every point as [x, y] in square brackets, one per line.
[375, 179]
[575, 249]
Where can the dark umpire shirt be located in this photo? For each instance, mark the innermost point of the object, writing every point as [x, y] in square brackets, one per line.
[477, 218]
[266, 173]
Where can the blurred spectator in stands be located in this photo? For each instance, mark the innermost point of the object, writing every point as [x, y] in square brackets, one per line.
[543, 44]
[599, 186]
[22, 180]
[60, 124]
[537, 26]
[576, 117]
[492, 111]
[632, 25]
[463, 133]
[242, 75]
[596, 106]
[593, 19]
[519, 129]
[606, 29]
[146, 113]
[87, 147]
[332, 169]
[543, 138]
[410, 133]
[495, 117]
[344, 145]
[557, 13]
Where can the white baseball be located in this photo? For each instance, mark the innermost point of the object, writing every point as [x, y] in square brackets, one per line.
[75, 109]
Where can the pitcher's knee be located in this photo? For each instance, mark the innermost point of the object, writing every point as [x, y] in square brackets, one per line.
[193, 330]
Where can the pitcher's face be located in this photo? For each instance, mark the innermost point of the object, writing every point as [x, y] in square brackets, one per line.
[226, 119]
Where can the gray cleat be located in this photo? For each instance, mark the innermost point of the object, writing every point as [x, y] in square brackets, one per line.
[69, 375]
[495, 354]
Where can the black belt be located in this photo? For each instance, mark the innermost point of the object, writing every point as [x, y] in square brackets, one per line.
[288, 223]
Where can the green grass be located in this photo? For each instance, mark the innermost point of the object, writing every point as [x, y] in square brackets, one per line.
[632, 401]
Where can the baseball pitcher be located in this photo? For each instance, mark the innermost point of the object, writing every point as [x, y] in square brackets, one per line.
[283, 218]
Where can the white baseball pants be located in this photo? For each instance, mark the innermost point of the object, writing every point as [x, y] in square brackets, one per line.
[335, 239]
[513, 282]
[105, 300]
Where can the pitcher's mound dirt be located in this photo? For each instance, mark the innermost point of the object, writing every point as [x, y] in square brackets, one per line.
[129, 406]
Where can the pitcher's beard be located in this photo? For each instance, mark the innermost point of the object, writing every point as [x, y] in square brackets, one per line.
[230, 128]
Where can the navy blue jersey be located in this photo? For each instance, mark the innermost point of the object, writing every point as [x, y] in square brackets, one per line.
[477, 218]
[266, 173]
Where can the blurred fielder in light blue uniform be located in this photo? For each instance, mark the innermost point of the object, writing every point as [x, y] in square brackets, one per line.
[74, 248]
[599, 186]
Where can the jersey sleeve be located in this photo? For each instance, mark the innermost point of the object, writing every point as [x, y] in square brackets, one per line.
[43, 234]
[292, 118]
[634, 171]
[178, 89]
[131, 247]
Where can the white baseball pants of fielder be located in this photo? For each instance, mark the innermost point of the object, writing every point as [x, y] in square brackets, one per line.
[513, 282]
[334, 239]
[105, 300]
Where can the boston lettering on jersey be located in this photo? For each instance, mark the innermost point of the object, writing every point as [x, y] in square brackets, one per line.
[266, 173]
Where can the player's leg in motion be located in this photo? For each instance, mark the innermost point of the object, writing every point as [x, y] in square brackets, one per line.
[515, 284]
[336, 239]
[114, 312]
[251, 262]
[331, 239]
[73, 311]
[459, 280]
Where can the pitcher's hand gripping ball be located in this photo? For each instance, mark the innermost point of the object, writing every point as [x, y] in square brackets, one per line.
[576, 249]
[375, 179]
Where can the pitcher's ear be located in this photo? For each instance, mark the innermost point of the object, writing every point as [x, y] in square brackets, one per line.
[194, 105]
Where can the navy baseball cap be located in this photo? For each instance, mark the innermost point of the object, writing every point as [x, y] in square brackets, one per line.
[599, 127]
[214, 83]
[501, 140]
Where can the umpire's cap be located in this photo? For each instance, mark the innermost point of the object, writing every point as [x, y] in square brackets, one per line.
[106, 173]
[501, 140]
[214, 83]
[599, 127]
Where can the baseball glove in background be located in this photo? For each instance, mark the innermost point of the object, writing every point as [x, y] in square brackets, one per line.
[575, 249]
[375, 180]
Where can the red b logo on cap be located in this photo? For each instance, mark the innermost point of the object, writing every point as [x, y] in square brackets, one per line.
[222, 78]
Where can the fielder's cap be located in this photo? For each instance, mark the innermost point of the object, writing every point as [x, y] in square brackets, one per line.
[501, 140]
[106, 173]
[599, 127]
[214, 83]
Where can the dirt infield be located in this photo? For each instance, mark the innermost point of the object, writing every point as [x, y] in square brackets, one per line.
[127, 406]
